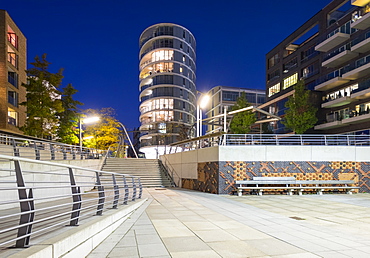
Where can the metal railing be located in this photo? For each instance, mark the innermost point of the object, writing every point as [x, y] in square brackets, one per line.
[270, 139]
[44, 150]
[38, 197]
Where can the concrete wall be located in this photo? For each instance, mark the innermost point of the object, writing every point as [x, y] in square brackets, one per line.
[186, 163]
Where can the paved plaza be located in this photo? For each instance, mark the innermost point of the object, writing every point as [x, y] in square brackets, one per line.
[181, 223]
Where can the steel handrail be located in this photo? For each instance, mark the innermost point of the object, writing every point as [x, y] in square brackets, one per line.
[48, 209]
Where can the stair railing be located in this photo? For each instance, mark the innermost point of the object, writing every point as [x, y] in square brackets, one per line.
[169, 171]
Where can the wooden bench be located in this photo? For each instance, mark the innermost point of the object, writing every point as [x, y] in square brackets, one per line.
[290, 184]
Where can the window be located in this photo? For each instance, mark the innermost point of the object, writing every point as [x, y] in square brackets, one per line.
[13, 98]
[290, 81]
[273, 61]
[274, 89]
[13, 78]
[310, 70]
[180, 69]
[12, 57]
[183, 58]
[289, 65]
[12, 38]
[345, 92]
[12, 117]
[274, 75]
[308, 54]
[162, 55]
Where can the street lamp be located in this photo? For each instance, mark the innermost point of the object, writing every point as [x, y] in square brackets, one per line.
[128, 137]
[88, 120]
[202, 103]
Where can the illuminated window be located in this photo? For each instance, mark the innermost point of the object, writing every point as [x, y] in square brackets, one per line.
[183, 58]
[12, 38]
[12, 117]
[12, 57]
[180, 69]
[162, 55]
[290, 81]
[274, 89]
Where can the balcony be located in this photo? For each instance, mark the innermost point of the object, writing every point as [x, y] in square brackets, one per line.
[363, 23]
[360, 2]
[337, 102]
[331, 83]
[339, 59]
[362, 94]
[357, 119]
[332, 42]
[361, 47]
[360, 71]
[329, 125]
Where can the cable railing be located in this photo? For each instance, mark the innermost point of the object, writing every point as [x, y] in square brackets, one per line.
[44, 150]
[270, 139]
[38, 197]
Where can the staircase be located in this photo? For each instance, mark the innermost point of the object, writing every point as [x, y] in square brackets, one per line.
[149, 170]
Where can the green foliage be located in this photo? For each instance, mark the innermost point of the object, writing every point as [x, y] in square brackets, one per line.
[242, 121]
[105, 131]
[43, 101]
[67, 131]
[301, 114]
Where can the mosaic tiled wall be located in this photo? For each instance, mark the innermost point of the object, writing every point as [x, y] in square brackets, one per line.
[219, 177]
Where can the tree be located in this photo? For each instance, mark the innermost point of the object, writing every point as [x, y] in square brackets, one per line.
[69, 117]
[242, 121]
[301, 114]
[43, 100]
[105, 132]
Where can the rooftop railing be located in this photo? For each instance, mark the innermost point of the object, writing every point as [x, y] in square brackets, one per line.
[38, 197]
[43, 150]
[218, 139]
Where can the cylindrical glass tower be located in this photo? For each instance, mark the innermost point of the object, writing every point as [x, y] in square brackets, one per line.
[167, 85]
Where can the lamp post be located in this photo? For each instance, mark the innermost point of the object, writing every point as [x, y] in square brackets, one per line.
[85, 121]
[128, 137]
[202, 103]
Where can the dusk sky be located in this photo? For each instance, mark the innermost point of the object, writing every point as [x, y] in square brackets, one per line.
[96, 41]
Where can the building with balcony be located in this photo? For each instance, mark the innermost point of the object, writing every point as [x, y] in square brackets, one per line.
[222, 97]
[331, 52]
[12, 74]
[167, 86]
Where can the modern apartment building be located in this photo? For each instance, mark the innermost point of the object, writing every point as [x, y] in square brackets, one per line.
[12, 74]
[224, 96]
[167, 84]
[331, 52]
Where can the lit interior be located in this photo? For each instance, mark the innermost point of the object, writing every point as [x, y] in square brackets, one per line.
[156, 68]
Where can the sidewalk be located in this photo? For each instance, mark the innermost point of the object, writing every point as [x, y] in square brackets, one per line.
[181, 223]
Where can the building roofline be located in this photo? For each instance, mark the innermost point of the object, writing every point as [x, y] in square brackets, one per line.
[166, 23]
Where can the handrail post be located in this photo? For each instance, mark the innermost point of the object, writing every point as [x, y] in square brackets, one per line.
[15, 150]
[133, 189]
[37, 151]
[52, 152]
[99, 210]
[326, 141]
[125, 186]
[116, 192]
[64, 153]
[26, 206]
[276, 139]
[140, 188]
[76, 197]
[300, 136]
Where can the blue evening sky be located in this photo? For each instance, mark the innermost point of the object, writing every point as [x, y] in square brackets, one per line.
[96, 41]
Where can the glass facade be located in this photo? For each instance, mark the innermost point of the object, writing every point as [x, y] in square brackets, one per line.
[167, 84]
